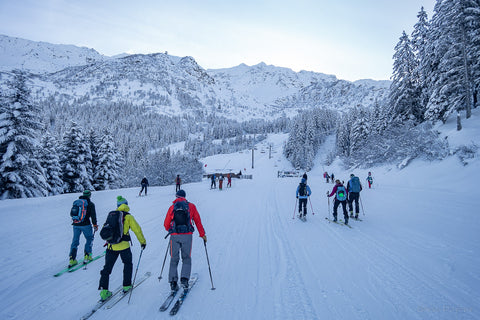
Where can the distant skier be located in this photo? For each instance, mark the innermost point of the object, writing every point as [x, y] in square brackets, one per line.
[178, 222]
[178, 183]
[84, 210]
[332, 176]
[340, 193]
[354, 187]
[370, 180]
[229, 180]
[144, 184]
[328, 178]
[121, 248]
[220, 182]
[305, 176]
[302, 194]
[213, 184]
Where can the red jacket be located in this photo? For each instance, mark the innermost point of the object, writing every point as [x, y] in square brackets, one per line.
[194, 215]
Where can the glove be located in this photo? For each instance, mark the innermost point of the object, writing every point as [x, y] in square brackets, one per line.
[143, 245]
[204, 238]
[95, 227]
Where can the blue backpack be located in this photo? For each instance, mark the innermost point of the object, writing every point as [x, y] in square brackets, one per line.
[341, 193]
[79, 210]
[354, 184]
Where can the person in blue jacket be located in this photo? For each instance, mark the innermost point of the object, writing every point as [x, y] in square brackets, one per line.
[303, 192]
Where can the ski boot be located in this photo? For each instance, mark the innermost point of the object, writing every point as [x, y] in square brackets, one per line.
[105, 294]
[184, 282]
[87, 258]
[72, 262]
[126, 289]
[174, 286]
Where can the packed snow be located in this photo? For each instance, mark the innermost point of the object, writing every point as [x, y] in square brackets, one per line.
[415, 255]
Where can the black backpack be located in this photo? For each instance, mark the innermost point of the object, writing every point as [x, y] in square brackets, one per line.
[302, 191]
[112, 230]
[181, 218]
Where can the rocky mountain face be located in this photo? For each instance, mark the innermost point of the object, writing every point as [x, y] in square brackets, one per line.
[172, 85]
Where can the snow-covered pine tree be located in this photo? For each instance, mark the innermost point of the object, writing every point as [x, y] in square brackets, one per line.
[359, 130]
[419, 47]
[50, 161]
[404, 96]
[106, 170]
[454, 47]
[21, 174]
[75, 155]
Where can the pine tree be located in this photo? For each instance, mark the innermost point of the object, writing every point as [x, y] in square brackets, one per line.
[21, 174]
[455, 47]
[404, 96]
[74, 159]
[419, 48]
[50, 161]
[106, 170]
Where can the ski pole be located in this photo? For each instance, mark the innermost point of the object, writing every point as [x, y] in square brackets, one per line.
[311, 207]
[361, 204]
[328, 198]
[165, 258]
[208, 261]
[133, 283]
[294, 209]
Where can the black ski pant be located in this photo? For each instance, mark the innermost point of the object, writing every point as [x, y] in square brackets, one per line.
[110, 258]
[302, 203]
[344, 206]
[177, 187]
[143, 187]
[353, 196]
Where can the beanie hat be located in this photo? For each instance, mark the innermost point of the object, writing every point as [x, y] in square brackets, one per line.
[180, 194]
[87, 193]
[352, 175]
[121, 200]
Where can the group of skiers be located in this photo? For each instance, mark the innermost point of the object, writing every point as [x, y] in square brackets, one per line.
[178, 223]
[213, 183]
[348, 195]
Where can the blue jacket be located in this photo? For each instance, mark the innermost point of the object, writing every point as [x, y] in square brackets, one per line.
[309, 192]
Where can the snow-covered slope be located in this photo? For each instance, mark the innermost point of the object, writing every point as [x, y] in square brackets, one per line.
[415, 255]
[43, 57]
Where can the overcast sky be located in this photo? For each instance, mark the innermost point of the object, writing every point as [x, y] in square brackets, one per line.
[352, 39]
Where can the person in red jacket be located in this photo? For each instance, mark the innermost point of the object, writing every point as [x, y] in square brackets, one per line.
[178, 223]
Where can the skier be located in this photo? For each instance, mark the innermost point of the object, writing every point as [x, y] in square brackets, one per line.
[220, 182]
[229, 178]
[333, 177]
[305, 176]
[302, 194]
[178, 182]
[370, 180]
[84, 226]
[340, 198]
[354, 187]
[213, 184]
[121, 249]
[178, 223]
[144, 184]
[328, 177]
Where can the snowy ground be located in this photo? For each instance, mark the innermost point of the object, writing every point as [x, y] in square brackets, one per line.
[415, 255]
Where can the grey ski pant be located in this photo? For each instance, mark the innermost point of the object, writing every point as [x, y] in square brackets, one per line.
[180, 244]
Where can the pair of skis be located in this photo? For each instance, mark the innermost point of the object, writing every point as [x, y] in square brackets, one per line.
[183, 295]
[116, 297]
[339, 222]
[79, 265]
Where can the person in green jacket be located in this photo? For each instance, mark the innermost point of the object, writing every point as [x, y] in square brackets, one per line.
[121, 249]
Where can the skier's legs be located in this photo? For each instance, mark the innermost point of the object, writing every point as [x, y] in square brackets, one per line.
[75, 241]
[186, 249]
[302, 206]
[357, 206]
[126, 256]
[110, 258]
[174, 257]
[88, 234]
[350, 200]
[335, 207]
[344, 207]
